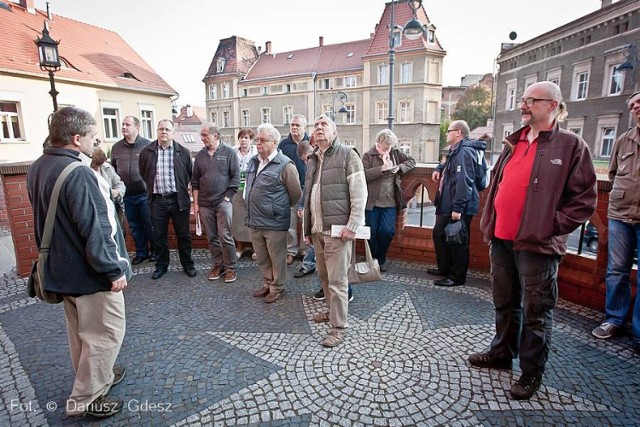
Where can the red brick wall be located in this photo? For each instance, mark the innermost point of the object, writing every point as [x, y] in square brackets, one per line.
[4, 217]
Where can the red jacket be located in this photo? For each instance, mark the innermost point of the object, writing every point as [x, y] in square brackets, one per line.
[561, 194]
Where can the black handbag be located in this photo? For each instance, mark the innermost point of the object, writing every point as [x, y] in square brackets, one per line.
[456, 233]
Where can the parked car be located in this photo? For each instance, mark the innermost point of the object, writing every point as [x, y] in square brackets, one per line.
[590, 237]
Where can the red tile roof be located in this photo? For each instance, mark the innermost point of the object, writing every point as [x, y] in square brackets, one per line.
[93, 54]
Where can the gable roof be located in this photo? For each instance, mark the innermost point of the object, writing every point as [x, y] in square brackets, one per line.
[239, 55]
[92, 54]
[320, 59]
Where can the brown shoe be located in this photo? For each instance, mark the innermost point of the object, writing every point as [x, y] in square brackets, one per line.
[321, 317]
[289, 259]
[335, 337]
[215, 273]
[272, 297]
[261, 293]
[230, 276]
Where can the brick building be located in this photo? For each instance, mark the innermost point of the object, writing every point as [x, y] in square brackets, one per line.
[582, 57]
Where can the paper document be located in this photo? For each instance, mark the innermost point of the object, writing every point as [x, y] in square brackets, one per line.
[362, 232]
[198, 226]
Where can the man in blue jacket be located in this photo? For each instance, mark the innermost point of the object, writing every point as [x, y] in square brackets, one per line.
[458, 201]
[87, 264]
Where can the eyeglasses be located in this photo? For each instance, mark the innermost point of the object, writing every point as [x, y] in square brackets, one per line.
[452, 130]
[530, 101]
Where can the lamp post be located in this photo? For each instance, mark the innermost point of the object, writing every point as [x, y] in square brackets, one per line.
[412, 30]
[49, 60]
[631, 59]
[343, 98]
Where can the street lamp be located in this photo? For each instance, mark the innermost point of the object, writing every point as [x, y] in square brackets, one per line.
[412, 30]
[631, 59]
[343, 98]
[49, 60]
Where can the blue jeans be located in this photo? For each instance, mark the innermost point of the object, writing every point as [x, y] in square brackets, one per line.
[382, 222]
[309, 260]
[624, 240]
[136, 208]
[525, 291]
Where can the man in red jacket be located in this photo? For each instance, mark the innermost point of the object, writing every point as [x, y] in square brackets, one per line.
[542, 188]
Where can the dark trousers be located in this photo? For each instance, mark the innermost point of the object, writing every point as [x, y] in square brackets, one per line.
[163, 209]
[453, 260]
[525, 291]
[382, 222]
[136, 208]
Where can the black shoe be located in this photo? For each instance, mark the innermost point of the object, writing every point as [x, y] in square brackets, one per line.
[118, 375]
[152, 258]
[104, 407]
[636, 348]
[191, 271]
[447, 283]
[436, 272]
[158, 274]
[303, 272]
[489, 360]
[526, 386]
[319, 295]
[383, 268]
[137, 260]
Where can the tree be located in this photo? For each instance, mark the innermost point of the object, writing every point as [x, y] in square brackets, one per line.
[474, 107]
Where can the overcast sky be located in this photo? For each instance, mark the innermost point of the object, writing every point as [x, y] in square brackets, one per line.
[179, 38]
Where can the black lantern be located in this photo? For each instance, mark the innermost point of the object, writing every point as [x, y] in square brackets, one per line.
[49, 60]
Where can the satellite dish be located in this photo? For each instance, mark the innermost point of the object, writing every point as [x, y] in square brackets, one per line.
[513, 35]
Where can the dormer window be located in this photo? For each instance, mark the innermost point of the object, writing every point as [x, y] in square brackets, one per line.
[220, 65]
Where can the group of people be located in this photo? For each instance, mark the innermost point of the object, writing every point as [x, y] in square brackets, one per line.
[542, 188]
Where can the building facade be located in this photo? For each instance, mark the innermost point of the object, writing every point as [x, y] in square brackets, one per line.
[246, 86]
[99, 73]
[583, 57]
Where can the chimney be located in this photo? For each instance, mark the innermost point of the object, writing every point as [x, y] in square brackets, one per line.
[49, 16]
[29, 5]
[321, 41]
[189, 110]
[606, 3]
[267, 48]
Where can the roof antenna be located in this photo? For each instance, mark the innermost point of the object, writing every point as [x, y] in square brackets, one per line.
[48, 12]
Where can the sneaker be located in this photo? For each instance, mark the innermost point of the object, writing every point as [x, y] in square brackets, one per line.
[272, 297]
[230, 276]
[215, 273]
[321, 317]
[489, 360]
[605, 331]
[526, 386]
[350, 294]
[104, 406]
[303, 272]
[118, 375]
[319, 296]
[335, 337]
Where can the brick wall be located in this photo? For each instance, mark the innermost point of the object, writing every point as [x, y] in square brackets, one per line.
[581, 279]
[4, 217]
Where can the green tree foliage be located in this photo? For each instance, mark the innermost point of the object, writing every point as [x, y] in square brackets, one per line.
[444, 125]
[474, 107]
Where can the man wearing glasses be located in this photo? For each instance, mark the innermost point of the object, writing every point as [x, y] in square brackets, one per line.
[458, 201]
[542, 188]
[166, 168]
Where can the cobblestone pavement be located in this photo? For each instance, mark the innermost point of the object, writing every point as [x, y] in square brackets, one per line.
[203, 353]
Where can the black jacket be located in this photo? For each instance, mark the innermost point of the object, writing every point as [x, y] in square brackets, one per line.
[124, 159]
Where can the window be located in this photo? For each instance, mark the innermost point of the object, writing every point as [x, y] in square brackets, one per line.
[287, 113]
[246, 118]
[350, 81]
[507, 129]
[382, 111]
[244, 92]
[225, 90]
[606, 134]
[511, 95]
[327, 110]
[431, 36]
[613, 82]
[10, 123]
[406, 72]
[265, 90]
[529, 80]
[351, 113]
[580, 82]
[225, 119]
[266, 115]
[405, 111]
[575, 126]
[349, 142]
[404, 145]
[213, 91]
[146, 123]
[616, 80]
[326, 84]
[383, 74]
[433, 112]
[554, 75]
[111, 120]
[220, 65]
[287, 87]
[214, 117]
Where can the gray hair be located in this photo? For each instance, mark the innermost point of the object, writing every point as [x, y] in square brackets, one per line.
[462, 126]
[67, 122]
[634, 94]
[212, 128]
[270, 130]
[302, 118]
[332, 124]
[553, 91]
[388, 137]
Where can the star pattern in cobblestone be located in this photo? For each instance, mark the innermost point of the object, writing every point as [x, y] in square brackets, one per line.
[390, 369]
